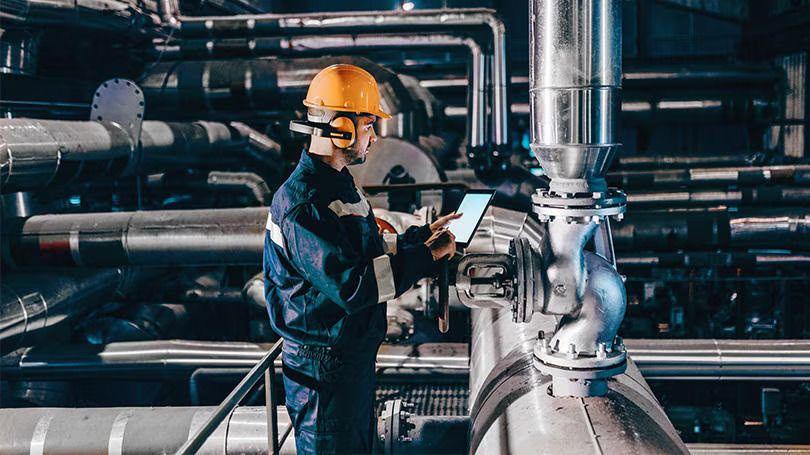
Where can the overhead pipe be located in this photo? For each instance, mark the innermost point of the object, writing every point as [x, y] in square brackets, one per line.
[773, 196]
[113, 16]
[38, 153]
[711, 229]
[712, 259]
[793, 174]
[670, 360]
[33, 305]
[155, 238]
[651, 160]
[683, 110]
[179, 358]
[236, 236]
[666, 77]
[264, 25]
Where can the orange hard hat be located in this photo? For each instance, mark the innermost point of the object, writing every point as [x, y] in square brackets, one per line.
[345, 88]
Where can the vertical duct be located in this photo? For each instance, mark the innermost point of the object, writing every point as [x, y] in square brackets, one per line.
[575, 69]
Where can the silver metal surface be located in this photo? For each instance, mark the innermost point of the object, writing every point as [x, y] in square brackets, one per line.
[32, 302]
[172, 358]
[36, 153]
[221, 236]
[120, 101]
[722, 360]
[574, 88]
[512, 406]
[134, 430]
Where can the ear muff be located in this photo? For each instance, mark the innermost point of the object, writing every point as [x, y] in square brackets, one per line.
[345, 124]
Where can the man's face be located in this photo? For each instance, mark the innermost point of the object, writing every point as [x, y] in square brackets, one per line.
[365, 136]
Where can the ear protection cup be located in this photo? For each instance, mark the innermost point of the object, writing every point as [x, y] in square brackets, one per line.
[345, 124]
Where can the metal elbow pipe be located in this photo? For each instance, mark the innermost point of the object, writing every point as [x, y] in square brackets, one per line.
[594, 325]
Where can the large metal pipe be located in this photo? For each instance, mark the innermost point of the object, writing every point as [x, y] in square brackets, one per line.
[236, 236]
[35, 304]
[37, 153]
[641, 111]
[711, 229]
[756, 196]
[651, 160]
[790, 174]
[109, 16]
[135, 430]
[720, 360]
[264, 25]
[663, 76]
[178, 358]
[172, 237]
[712, 259]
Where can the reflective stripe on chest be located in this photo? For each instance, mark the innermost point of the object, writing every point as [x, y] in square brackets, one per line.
[359, 208]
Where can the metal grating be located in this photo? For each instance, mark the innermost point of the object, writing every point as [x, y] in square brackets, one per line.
[428, 399]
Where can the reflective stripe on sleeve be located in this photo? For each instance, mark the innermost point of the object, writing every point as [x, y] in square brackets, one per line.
[390, 242]
[275, 231]
[385, 278]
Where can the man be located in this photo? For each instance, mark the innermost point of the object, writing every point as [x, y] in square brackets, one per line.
[328, 272]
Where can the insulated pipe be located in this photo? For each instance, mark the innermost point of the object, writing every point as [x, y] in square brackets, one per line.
[34, 303]
[712, 259]
[795, 174]
[236, 236]
[109, 16]
[37, 153]
[671, 360]
[263, 25]
[650, 160]
[296, 45]
[172, 237]
[136, 430]
[177, 358]
[759, 196]
[711, 229]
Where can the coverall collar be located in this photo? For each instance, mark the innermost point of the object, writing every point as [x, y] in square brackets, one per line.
[318, 167]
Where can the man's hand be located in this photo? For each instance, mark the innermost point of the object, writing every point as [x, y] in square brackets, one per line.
[442, 221]
[441, 243]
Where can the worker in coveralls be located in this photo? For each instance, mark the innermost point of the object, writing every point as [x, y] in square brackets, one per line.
[328, 272]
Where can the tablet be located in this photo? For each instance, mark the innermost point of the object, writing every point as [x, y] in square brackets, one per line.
[472, 210]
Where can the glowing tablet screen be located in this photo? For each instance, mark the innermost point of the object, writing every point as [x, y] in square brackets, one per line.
[472, 209]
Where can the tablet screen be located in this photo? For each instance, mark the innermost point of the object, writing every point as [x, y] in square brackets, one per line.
[472, 209]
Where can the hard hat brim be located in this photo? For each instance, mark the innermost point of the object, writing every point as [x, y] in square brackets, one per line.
[378, 112]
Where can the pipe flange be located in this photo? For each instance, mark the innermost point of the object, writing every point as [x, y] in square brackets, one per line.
[574, 375]
[579, 207]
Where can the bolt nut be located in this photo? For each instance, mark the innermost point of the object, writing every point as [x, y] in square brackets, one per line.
[559, 289]
[572, 351]
[541, 335]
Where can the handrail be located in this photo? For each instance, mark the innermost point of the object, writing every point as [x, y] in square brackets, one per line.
[226, 408]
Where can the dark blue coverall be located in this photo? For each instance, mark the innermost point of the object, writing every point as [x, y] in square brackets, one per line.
[327, 276]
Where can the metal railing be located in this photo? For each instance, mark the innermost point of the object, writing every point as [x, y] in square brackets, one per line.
[226, 408]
